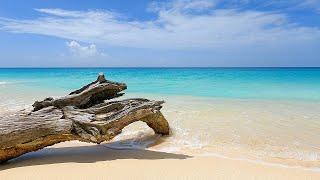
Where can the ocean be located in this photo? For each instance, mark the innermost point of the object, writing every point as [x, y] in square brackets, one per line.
[261, 114]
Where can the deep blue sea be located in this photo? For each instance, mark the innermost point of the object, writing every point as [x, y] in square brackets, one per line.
[261, 83]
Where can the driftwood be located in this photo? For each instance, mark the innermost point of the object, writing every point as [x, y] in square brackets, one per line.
[83, 115]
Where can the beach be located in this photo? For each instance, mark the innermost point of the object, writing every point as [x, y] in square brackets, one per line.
[75, 160]
[239, 133]
[160, 90]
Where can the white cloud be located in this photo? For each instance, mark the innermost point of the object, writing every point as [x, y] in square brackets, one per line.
[181, 5]
[278, 4]
[313, 4]
[60, 12]
[179, 24]
[83, 51]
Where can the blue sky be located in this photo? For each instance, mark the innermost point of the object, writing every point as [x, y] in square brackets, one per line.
[60, 33]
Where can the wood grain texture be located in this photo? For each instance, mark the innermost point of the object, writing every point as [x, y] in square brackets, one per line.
[86, 114]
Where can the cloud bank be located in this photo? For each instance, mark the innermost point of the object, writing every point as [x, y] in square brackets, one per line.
[180, 24]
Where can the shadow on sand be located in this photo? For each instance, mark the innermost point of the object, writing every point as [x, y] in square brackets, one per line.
[84, 154]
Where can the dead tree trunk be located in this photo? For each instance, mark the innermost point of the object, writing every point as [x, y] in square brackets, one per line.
[83, 115]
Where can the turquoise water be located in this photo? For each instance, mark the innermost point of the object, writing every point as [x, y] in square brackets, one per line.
[248, 83]
[268, 114]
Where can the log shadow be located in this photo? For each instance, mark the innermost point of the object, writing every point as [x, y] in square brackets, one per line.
[85, 154]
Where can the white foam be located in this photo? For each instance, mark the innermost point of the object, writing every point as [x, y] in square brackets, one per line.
[3, 82]
[315, 169]
[132, 140]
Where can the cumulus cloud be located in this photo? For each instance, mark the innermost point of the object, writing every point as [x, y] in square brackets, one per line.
[178, 24]
[82, 51]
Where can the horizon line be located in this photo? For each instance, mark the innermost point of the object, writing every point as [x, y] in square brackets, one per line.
[114, 67]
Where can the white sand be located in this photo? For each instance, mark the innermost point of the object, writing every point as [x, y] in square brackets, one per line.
[252, 127]
[74, 160]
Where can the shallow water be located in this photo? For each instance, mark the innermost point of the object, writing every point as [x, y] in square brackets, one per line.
[269, 115]
[282, 132]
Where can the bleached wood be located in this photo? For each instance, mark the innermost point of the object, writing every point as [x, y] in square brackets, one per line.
[86, 115]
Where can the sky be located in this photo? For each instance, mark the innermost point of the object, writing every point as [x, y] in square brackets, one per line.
[167, 33]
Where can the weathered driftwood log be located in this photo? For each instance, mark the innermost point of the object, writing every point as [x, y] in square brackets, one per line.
[82, 115]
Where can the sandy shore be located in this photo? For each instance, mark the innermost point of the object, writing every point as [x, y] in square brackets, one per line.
[74, 160]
